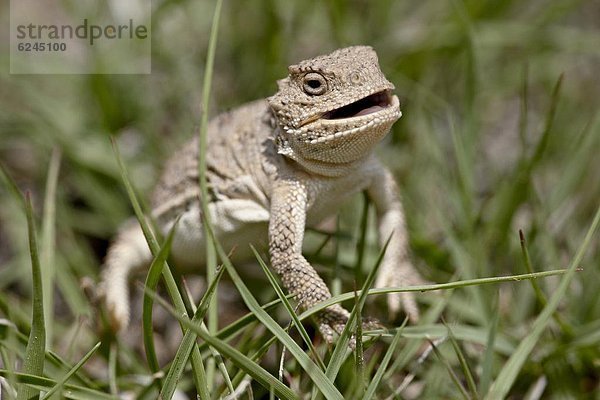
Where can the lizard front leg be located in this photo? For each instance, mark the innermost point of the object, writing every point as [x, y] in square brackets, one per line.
[396, 268]
[286, 233]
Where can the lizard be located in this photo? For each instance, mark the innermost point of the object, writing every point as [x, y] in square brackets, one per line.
[274, 167]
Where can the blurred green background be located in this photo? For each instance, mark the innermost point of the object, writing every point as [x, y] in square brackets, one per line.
[480, 152]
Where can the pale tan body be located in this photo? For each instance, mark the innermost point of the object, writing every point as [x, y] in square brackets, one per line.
[265, 188]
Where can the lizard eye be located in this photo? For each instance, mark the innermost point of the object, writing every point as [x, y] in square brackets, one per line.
[314, 84]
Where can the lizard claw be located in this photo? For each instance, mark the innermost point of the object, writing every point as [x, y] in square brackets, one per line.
[116, 307]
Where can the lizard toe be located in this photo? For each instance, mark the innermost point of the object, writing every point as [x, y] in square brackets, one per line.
[403, 276]
[332, 322]
[410, 307]
[327, 332]
[118, 313]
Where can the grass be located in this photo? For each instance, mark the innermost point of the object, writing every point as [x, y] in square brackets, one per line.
[495, 155]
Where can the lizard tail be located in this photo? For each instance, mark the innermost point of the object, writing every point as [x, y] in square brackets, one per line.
[127, 253]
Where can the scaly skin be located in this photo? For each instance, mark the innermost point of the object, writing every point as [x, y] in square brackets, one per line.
[274, 167]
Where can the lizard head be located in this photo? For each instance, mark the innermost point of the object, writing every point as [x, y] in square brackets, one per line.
[332, 109]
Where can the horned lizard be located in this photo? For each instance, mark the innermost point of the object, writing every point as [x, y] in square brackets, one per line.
[275, 166]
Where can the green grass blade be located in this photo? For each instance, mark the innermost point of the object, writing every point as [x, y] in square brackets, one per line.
[211, 256]
[529, 268]
[231, 330]
[463, 364]
[336, 278]
[324, 384]
[370, 392]
[206, 88]
[152, 279]
[438, 286]
[509, 372]
[411, 348]
[16, 342]
[362, 240]
[59, 384]
[504, 344]
[49, 239]
[341, 347]
[371, 366]
[541, 298]
[74, 392]
[263, 377]
[137, 207]
[16, 315]
[33, 363]
[178, 365]
[79, 378]
[189, 339]
[549, 124]
[256, 356]
[290, 309]
[170, 283]
[319, 379]
[451, 372]
[203, 307]
[488, 357]
[359, 356]
[523, 115]
[514, 192]
[8, 355]
[12, 187]
[223, 369]
[112, 368]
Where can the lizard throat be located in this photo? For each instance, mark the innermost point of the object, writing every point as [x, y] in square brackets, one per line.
[332, 147]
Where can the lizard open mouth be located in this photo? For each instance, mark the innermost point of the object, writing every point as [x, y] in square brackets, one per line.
[367, 105]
